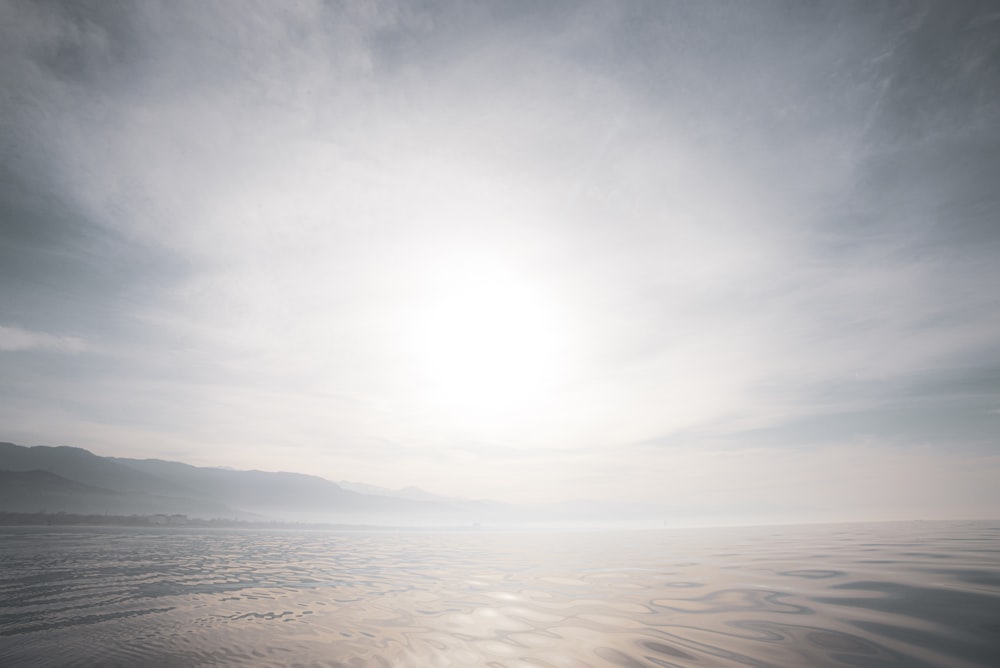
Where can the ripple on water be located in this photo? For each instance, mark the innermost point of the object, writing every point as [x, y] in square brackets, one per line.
[870, 596]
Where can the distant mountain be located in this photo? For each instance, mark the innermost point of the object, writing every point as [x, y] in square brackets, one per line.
[34, 491]
[411, 493]
[86, 467]
[75, 480]
[44, 491]
[562, 511]
[80, 481]
[286, 494]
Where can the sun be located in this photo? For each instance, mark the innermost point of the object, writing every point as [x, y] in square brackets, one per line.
[487, 342]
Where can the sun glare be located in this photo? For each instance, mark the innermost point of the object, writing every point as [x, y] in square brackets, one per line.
[487, 344]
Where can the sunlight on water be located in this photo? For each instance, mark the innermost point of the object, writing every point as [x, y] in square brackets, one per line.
[907, 594]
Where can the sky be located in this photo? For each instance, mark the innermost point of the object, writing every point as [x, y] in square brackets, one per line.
[721, 256]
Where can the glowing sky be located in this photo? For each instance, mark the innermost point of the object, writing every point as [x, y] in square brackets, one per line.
[718, 255]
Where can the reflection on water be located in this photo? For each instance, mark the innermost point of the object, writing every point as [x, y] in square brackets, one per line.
[907, 594]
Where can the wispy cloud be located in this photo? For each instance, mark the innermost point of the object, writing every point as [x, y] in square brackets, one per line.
[14, 339]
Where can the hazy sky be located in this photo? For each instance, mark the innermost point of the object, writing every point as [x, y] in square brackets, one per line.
[719, 255]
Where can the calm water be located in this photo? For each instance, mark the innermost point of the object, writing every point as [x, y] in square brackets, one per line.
[908, 594]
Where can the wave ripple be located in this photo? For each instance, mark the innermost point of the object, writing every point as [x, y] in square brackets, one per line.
[905, 594]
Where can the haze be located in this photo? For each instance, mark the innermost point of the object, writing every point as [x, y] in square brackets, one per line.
[738, 258]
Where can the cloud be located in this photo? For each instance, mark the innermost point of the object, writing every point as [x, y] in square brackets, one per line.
[741, 226]
[16, 339]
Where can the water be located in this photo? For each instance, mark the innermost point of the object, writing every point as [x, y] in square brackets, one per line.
[907, 594]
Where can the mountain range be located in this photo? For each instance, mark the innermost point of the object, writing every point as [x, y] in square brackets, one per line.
[69, 479]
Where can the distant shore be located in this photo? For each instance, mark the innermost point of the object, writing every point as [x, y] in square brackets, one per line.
[61, 519]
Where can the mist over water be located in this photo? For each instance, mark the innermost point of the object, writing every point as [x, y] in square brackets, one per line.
[906, 594]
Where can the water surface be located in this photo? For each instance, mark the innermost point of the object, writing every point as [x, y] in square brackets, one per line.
[907, 594]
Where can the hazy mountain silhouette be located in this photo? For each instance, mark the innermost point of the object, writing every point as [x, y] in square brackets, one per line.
[32, 491]
[411, 493]
[289, 495]
[80, 481]
[44, 491]
[86, 467]
[75, 480]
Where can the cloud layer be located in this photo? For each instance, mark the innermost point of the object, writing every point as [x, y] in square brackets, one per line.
[761, 234]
